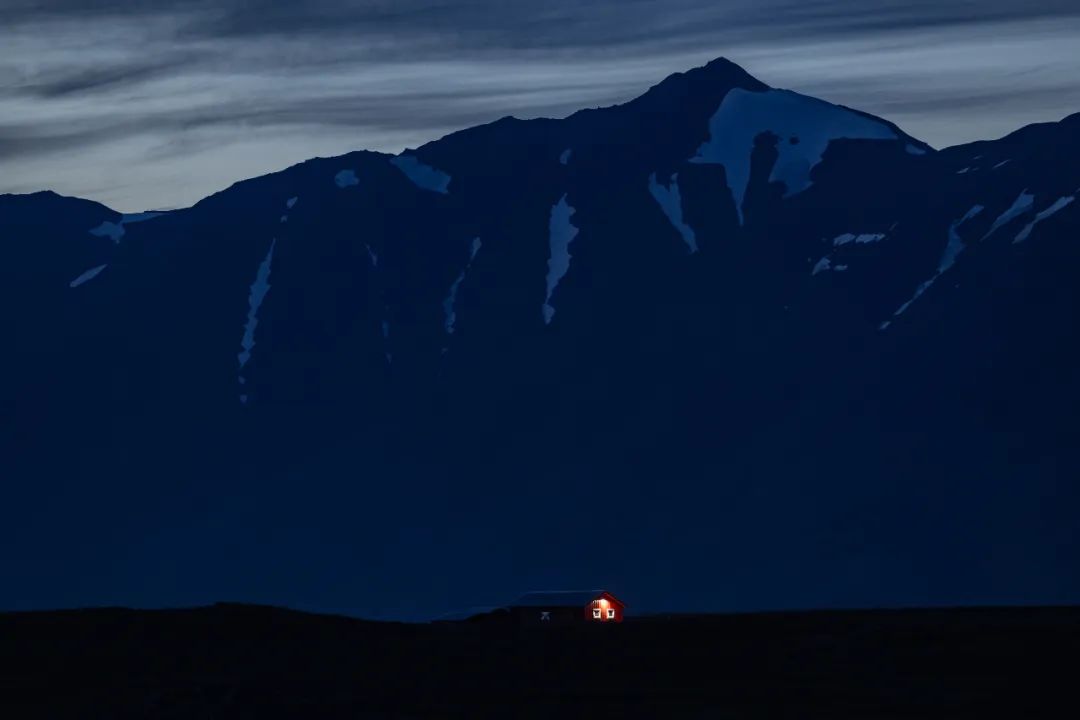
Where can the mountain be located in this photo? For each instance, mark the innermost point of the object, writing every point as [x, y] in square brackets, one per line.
[725, 338]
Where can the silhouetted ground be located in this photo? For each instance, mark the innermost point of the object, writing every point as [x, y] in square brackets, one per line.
[234, 661]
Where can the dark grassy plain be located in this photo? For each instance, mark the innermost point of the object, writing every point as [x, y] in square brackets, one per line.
[240, 661]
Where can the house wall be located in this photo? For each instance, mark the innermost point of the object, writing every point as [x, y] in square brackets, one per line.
[558, 615]
[613, 604]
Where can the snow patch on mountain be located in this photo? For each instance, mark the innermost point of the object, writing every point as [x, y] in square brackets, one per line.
[1059, 204]
[956, 245]
[858, 239]
[372, 255]
[346, 178]
[805, 126]
[109, 229]
[88, 275]
[914, 150]
[256, 295]
[565, 157]
[115, 230]
[822, 265]
[288, 206]
[386, 340]
[449, 304]
[670, 201]
[1021, 205]
[826, 262]
[423, 176]
[953, 248]
[964, 171]
[1001, 164]
[561, 232]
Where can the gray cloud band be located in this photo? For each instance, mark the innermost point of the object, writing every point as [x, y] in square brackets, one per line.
[554, 23]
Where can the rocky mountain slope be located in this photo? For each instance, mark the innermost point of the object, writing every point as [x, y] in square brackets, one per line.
[781, 350]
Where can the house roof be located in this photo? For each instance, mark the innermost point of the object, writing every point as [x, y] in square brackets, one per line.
[561, 598]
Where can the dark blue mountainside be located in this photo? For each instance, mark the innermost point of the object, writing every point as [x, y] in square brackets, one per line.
[721, 347]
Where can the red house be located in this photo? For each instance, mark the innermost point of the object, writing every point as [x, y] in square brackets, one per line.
[567, 607]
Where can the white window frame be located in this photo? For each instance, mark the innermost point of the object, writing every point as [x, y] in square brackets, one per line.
[596, 614]
[611, 613]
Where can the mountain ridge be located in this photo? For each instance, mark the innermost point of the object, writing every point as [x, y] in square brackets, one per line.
[673, 80]
[538, 331]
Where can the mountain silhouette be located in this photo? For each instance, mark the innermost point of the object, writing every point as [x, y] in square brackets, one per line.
[724, 346]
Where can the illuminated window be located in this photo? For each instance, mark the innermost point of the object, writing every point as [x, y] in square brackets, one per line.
[611, 613]
[596, 613]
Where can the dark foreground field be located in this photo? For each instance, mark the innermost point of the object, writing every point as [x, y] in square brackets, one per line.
[233, 661]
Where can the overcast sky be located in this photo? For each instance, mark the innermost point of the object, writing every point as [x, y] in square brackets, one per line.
[156, 103]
